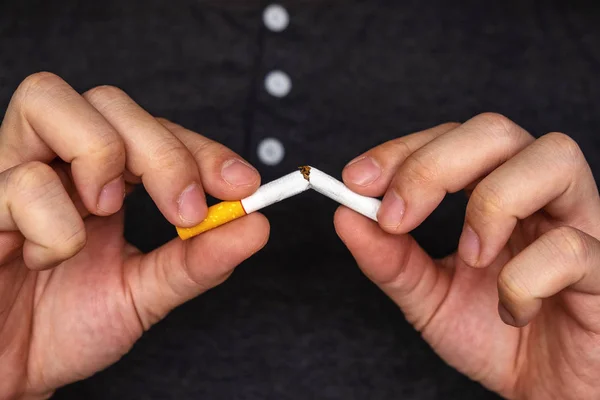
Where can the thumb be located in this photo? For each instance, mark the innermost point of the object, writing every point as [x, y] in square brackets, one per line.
[396, 264]
[181, 270]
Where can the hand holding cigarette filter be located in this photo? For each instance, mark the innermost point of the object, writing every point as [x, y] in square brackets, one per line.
[287, 186]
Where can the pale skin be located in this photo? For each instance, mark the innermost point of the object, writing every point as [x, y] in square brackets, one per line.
[515, 308]
[74, 296]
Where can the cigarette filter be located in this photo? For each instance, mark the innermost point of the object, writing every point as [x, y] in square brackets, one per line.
[280, 189]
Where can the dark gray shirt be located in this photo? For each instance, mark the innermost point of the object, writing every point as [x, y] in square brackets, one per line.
[293, 323]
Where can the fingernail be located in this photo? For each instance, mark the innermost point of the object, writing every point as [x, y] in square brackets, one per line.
[505, 315]
[238, 173]
[392, 210]
[111, 197]
[469, 246]
[362, 171]
[191, 204]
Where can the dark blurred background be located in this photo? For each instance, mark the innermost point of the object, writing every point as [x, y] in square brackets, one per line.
[299, 320]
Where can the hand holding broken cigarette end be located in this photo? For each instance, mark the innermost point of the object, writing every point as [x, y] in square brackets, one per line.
[305, 178]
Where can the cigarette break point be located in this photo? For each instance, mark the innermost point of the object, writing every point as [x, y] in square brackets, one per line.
[305, 171]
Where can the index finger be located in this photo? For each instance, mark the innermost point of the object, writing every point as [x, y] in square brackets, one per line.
[174, 169]
[47, 118]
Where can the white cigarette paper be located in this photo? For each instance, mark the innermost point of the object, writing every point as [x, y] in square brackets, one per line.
[336, 190]
[312, 178]
[281, 189]
[275, 191]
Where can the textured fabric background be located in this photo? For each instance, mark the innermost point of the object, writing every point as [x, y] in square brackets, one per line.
[298, 320]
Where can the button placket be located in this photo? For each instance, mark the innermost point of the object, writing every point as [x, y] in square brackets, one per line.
[276, 83]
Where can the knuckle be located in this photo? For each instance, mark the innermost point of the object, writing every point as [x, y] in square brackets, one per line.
[569, 244]
[498, 125]
[104, 94]
[35, 85]
[107, 97]
[496, 120]
[485, 201]
[40, 80]
[565, 146]
[72, 243]
[108, 147]
[399, 148]
[33, 182]
[32, 175]
[421, 168]
[207, 147]
[171, 155]
[213, 152]
[511, 288]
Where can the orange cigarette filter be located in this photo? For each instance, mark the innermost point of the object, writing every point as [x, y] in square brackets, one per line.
[219, 214]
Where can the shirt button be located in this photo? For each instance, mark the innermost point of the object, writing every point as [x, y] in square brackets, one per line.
[270, 151]
[276, 18]
[278, 84]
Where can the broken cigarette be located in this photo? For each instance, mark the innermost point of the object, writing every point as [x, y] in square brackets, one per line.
[280, 189]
